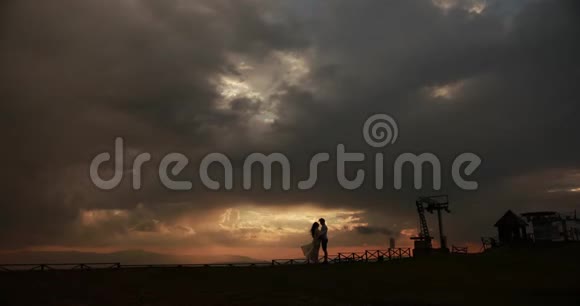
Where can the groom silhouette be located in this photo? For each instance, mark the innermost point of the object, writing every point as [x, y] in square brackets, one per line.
[324, 238]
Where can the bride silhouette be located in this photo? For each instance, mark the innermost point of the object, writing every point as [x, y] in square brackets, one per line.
[312, 249]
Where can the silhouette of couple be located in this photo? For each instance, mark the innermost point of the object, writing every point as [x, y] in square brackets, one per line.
[319, 233]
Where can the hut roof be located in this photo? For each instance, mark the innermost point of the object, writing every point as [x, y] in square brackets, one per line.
[510, 219]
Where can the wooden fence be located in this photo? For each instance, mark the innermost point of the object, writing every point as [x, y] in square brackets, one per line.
[366, 256]
[458, 250]
[351, 257]
[60, 266]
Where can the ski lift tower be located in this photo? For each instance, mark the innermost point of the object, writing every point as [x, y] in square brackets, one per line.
[438, 203]
[423, 239]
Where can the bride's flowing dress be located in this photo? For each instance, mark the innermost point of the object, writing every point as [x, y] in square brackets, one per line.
[312, 249]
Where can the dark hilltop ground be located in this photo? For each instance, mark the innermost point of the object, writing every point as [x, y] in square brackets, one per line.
[501, 277]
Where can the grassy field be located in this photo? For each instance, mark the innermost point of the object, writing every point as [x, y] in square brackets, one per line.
[504, 277]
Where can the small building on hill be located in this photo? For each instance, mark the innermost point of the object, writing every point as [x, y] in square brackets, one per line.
[548, 226]
[511, 228]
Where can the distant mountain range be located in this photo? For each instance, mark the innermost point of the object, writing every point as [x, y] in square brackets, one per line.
[124, 257]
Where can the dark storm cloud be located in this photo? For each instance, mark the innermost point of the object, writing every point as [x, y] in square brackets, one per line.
[77, 74]
[517, 107]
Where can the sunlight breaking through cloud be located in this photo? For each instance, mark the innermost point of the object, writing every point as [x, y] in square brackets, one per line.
[472, 6]
[258, 81]
[268, 224]
[446, 91]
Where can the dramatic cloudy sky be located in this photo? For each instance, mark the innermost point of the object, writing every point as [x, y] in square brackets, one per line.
[497, 78]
